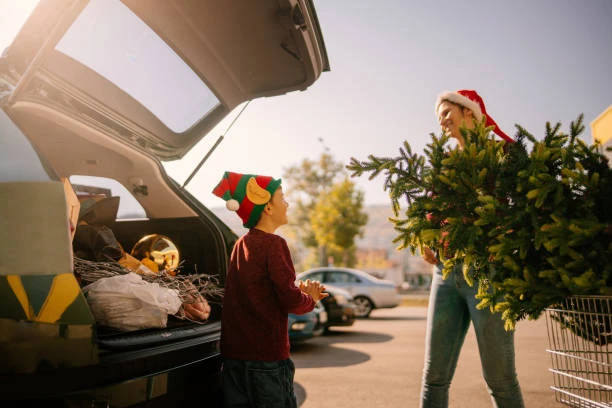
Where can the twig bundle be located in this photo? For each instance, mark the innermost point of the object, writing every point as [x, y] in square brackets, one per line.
[189, 286]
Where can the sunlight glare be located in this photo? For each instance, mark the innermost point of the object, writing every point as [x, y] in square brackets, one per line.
[14, 14]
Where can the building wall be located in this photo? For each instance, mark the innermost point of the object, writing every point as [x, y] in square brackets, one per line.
[601, 129]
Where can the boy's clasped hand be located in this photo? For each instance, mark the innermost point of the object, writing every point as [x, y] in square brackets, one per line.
[313, 288]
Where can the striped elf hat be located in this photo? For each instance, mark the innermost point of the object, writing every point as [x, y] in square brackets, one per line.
[247, 194]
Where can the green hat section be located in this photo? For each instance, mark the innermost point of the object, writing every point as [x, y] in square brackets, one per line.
[258, 209]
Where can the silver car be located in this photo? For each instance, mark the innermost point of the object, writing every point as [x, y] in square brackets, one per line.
[368, 292]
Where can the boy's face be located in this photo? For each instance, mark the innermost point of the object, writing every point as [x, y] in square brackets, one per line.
[279, 206]
[451, 117]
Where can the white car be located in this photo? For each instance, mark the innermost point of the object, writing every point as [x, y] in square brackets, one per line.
[94, 96]
[368, 292]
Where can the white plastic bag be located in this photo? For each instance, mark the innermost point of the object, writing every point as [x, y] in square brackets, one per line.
[126, 302]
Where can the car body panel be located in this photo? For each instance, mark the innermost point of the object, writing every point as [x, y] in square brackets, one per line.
[386, 296]
[17, 149]
[382, 293]
[112, 370]
[339, 306]
[263, 48]
[308, 325]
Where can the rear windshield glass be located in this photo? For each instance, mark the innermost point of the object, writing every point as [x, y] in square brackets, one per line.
[99, 187]
[18, 159]
[111, 40]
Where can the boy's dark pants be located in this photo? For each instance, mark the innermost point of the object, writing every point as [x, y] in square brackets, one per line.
[258, 384]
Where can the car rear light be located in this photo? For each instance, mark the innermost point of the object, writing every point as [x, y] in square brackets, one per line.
[298, 326]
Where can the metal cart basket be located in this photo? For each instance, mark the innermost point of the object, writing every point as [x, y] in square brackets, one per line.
[580, 340]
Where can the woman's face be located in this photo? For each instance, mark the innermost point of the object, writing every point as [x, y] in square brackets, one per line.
[452, 117]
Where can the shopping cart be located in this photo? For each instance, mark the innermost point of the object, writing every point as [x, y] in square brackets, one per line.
[580, 340]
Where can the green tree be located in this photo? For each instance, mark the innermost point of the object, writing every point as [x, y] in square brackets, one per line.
[337, 219]
[533, 227]
[308, 184]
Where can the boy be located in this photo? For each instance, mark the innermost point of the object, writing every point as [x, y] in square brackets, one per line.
[260, 292]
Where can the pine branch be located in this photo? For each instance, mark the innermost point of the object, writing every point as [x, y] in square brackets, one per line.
[533, 225]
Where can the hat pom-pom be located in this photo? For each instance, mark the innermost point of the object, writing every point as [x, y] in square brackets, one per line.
[232, 205]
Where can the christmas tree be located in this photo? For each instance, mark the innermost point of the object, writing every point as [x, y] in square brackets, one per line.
[532, 226]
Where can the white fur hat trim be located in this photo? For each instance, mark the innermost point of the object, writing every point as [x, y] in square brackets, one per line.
[461, 100]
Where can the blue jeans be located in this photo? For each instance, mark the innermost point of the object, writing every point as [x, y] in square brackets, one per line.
[452, 306]
[258, 384]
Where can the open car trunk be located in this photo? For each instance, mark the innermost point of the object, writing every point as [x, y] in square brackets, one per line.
[124, 363]
[196, 244]
[104, 90]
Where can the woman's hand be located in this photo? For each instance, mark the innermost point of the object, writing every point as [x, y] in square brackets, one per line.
[429, 256]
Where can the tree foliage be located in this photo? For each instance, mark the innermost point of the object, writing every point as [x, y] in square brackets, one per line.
[315, 187]
[307, 181]
[532, 227]
[337, 219]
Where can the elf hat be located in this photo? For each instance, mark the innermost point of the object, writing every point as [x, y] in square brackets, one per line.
[471, 100]
[247, 194]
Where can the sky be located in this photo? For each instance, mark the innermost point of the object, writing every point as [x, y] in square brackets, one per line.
[533, 61]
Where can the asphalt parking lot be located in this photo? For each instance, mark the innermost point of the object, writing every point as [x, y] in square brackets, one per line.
[378, 361]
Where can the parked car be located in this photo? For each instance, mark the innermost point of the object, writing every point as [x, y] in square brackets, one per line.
[308, 325]
[94, 95]
[340, 307]
[368, 292]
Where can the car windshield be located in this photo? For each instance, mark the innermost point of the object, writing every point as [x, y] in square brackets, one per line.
[140, 63]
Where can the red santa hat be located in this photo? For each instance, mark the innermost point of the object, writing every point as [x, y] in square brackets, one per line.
[247, 194]
[470, 99]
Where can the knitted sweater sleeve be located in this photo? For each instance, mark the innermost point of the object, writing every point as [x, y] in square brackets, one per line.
[282, 274]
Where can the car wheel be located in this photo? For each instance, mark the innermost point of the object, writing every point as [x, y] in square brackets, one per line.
[364, 306]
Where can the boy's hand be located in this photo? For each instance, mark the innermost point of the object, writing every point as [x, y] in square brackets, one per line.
[313, 288]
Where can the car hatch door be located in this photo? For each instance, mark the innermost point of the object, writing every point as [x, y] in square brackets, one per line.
[160, 74]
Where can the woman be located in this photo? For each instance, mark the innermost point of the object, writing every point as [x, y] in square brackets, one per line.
[452, 302]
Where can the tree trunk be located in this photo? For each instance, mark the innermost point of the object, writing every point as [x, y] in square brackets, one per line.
[323, 261]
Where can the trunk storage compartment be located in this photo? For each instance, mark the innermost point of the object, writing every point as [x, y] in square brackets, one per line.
[199, 254]
[114, 340]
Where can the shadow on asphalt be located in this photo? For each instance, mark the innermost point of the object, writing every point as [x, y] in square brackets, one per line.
[353, 336]
[327, 356]
[392, 318]
[329, 351]
[300, 393]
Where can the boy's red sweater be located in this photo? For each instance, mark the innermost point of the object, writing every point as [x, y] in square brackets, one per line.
[260, 292]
